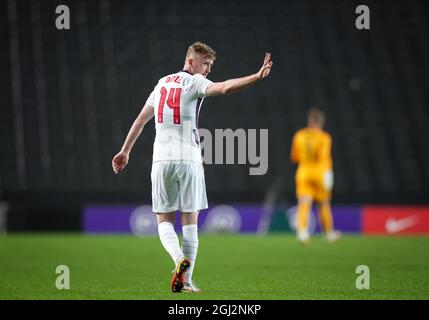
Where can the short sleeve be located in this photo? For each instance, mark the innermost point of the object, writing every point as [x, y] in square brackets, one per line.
[201, 85]
[151, 100]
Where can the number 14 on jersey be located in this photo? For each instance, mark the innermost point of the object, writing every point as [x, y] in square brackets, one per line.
[173, 102]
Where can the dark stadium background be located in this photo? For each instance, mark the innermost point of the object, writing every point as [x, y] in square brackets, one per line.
[68, 98]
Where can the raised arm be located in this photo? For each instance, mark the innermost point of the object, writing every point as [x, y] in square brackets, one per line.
[121, 159]
[234, 85]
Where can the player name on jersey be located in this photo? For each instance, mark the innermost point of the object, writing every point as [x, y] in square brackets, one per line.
[176, 79]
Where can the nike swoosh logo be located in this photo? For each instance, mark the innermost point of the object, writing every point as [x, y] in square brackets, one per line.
[393, 225]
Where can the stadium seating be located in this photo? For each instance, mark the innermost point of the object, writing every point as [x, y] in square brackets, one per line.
[69, 97]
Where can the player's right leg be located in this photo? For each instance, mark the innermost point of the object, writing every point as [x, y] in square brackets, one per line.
[323, 196]
[190, 247]
[193, 198]
[326, 219]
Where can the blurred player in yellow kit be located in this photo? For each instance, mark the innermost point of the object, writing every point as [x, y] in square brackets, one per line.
[311, 151]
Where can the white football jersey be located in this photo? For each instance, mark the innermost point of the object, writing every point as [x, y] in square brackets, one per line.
[177, 100]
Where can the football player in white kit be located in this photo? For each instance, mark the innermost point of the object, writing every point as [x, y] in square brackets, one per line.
[177, 171]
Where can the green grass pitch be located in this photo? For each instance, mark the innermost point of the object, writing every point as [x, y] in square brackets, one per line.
[229, 267]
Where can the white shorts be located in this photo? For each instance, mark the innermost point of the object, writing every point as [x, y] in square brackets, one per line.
[178, 185]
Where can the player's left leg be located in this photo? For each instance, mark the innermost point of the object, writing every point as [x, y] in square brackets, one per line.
[168, 235]
[305, 196]
[165, 202]
[302, 218]
[190, 244]
[170, 242]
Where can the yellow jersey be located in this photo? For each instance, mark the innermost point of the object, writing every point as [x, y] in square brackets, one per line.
[311, 150]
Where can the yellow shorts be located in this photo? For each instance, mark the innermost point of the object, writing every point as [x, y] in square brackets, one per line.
[316, 184]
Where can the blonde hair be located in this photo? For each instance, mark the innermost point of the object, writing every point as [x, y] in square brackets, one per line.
[202, 49]
[316, 115]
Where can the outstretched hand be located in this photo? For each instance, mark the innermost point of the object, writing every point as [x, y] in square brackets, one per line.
[119, 162]
[266, 66]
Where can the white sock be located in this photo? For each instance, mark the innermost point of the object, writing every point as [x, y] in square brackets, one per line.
[169, 240]
[333, 235]
[190, 247]
[303, 235]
